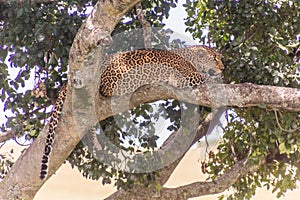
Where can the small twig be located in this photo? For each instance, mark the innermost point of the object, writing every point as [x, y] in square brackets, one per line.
[207, 144]
[297, 56]
[250, 36]
[278, 123]
[3, 143]
[233, 155]
[27, 115]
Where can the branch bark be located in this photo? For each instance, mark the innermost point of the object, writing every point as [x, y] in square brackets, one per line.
[145, 25]
[195, 189]
[220, 95]
[7, 135]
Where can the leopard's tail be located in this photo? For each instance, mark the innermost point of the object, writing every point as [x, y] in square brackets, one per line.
[52, 127]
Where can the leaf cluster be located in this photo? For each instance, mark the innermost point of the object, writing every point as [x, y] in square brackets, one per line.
[6, 163]
[258, 39]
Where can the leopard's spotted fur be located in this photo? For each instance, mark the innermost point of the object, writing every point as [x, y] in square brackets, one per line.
[125, 72]
[130, 70]
[180, 68]
[52, 126]
[207, 60]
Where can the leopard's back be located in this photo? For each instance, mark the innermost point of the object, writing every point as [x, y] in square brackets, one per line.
[183, 67]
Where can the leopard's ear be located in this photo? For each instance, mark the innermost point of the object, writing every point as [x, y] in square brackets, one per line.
[51, 134]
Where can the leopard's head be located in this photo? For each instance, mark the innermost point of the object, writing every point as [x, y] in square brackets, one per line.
[206, 60]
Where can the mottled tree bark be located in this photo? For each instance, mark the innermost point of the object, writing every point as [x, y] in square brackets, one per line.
[220, 95]
[195, 189]
[145, 25]
[7, 135]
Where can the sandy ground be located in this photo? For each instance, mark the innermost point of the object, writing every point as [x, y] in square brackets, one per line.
[68, 183]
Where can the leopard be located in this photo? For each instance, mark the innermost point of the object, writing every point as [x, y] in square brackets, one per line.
[181, 68]
[127, 71]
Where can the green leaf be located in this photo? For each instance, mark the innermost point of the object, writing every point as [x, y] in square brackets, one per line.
[158, 186]
[282, 148]
[3, 54]
[20, 12]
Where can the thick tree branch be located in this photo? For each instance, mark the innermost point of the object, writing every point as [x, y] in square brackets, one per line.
[219, 185]
[97, 29]
[7, 135]
[195, 189]
[145, 25]
[221, 95]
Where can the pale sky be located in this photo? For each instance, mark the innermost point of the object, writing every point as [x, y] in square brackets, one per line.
[176, 22]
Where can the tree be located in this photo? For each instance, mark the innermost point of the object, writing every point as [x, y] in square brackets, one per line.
[260, 144]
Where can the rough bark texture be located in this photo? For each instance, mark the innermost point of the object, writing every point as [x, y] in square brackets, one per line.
[7, 135]
[97, 29]
[233, 95]
[195, 189]
[145, 25]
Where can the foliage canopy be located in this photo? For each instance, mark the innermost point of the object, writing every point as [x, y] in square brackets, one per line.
[259, 41]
